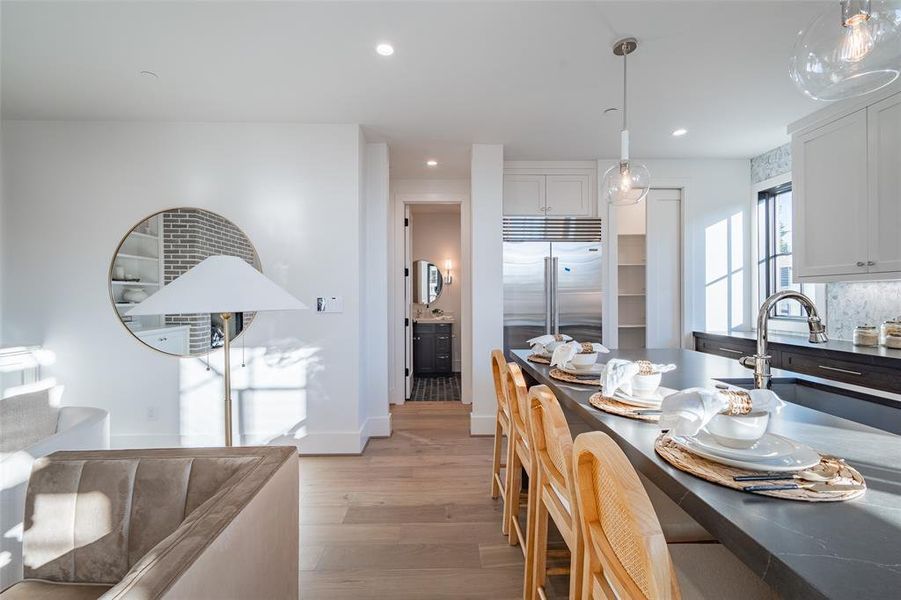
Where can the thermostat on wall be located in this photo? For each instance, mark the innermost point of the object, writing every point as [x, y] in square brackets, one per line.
[329, 304]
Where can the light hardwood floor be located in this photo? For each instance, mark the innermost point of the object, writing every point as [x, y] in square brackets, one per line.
[410, 518]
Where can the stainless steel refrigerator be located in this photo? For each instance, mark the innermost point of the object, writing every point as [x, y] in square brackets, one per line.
[552, 279]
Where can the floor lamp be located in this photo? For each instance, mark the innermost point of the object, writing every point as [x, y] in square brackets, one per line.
[224, 285]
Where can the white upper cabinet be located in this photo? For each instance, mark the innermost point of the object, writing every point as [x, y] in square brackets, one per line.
[846, 179]
[568, 196]
[829, 198]
[524, 194]
[884, 125]
[549, 189]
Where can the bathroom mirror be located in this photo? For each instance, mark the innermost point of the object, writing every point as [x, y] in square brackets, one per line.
[153, 254]
[427, 282]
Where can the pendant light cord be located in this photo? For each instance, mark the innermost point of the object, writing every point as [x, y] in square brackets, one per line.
[625, 68]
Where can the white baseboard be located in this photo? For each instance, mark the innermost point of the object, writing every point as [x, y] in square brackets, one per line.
[482, 424]
[331, 442]
[376, 427]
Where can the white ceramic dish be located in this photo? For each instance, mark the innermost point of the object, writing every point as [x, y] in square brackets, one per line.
[791, 456]
[644, 386]
[738, 431]
[595, 369]
[653, 401]
[584, 360]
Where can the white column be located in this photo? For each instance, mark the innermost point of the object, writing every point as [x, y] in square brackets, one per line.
[374, 415]
[487, 259]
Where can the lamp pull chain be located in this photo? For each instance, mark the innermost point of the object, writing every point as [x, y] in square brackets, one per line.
[243, 363]
[208, 358]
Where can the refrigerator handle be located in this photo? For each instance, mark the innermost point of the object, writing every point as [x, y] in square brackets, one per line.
[554, 291]
[548, 287]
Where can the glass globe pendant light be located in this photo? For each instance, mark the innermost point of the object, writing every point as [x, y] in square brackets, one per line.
[626, 182]
[850, 50]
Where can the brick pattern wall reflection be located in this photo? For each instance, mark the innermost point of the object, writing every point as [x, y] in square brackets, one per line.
[189, 236]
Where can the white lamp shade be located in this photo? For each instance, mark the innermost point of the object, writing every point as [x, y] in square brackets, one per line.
[218, 284]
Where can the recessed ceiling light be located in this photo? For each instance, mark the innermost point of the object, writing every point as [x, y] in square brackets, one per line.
[150, 75]
[680, 132]
[432, 162]
[385, 49]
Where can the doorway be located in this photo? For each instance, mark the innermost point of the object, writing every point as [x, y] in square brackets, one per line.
[433, 301]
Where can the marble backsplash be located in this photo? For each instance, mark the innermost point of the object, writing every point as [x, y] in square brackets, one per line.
[769, 164]
[851, 304]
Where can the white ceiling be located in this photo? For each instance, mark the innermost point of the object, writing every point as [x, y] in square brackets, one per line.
[534, 76]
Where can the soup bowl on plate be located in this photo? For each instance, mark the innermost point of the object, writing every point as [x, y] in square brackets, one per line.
[644, 386]
[739, 431]
[584, 360]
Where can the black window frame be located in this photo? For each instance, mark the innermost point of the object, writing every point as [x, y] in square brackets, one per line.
[768, 198]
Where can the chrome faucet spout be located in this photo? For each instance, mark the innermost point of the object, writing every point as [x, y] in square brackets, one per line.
[760, 362]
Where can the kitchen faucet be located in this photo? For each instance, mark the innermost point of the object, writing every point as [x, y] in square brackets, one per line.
[760, 362]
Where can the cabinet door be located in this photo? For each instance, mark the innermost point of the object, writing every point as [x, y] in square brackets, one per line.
[423, 353]
[524, 194]
[568, 196]
[829, 178]
[884, 124]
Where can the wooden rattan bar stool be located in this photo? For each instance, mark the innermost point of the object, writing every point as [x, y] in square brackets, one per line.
[501, 430]
[551, 443]
[519, 459]
[626, 553]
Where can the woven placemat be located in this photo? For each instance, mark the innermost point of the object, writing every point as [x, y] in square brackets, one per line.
[615, 407]
[722, 474]
[562, 376]
[536, 358]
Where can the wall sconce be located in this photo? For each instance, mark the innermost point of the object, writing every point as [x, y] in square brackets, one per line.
[448, 275]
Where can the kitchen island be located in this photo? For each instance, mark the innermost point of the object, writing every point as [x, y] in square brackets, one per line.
[803, 550]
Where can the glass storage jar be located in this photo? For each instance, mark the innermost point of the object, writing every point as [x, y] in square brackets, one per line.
[892, 327]
[866, 335]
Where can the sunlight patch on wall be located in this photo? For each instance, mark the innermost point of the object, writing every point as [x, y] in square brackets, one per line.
[724, 274]
[269, 395]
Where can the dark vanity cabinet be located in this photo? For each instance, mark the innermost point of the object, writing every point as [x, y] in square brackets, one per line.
[432, 348]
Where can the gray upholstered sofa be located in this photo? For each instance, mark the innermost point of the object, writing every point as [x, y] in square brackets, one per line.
[173, 523]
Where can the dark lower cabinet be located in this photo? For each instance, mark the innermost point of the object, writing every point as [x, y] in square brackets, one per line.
[432, 348]
[867, 370]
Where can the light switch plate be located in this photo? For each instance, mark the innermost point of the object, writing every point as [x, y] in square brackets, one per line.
[329, 304]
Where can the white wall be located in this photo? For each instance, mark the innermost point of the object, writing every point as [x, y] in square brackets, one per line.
[374, 293]
[424, 191]
[74, 189]
[436, 238]
[486, 274]
[714, 191]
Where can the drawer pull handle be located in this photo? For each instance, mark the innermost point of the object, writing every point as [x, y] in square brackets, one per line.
[731, 351]
[162, 339]
[860, 263]
[848, 371]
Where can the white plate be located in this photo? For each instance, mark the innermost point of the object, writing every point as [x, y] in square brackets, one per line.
[801, 457]
[652, 401]
[768, 447]
[597, 369]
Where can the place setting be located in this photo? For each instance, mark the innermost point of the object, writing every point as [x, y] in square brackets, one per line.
[577, 362]
[722, 435]
[543, 347]
[632, 389]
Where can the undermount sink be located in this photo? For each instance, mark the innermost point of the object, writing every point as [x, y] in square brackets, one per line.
[855, 406]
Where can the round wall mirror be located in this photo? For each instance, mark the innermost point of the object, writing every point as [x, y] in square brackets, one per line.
[427, 282]
[157, 251]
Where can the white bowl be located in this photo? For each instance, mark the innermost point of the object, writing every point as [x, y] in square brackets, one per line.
[584, 361]
[646, 385]
[738, 431]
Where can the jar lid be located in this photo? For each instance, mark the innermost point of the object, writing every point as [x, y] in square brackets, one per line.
[895, 321]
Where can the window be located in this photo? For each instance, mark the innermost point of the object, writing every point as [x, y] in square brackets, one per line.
[774, 251]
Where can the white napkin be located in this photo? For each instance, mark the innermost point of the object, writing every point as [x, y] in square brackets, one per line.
[544, 344]
[565, 352]
[686, 412]
[620, 372]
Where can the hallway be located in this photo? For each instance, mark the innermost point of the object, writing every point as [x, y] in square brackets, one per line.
[410, 518]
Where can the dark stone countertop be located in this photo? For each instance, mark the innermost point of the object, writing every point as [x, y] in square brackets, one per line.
[860, 353]
[802, 549]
